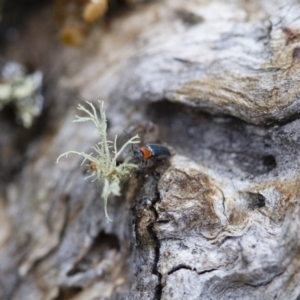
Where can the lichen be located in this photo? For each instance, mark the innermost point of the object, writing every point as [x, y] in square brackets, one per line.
[103, 162]
[23, 91]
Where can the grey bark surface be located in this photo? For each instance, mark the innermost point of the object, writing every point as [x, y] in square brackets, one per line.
[220, 82]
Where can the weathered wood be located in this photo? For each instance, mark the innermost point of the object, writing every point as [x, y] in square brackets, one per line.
[220, 220]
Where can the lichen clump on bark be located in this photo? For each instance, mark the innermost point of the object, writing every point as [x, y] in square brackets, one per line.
[103, 164]
[22, 90]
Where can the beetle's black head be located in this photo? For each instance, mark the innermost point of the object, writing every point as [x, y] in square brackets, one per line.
[137, 154]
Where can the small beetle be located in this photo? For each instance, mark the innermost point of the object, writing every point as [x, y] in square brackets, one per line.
[153, 152]
[149, 154]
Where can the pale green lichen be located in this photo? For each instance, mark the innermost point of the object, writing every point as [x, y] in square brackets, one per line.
[103, 164]
[22, 90]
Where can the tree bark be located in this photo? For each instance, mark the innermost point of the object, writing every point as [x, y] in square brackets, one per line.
[215, 82]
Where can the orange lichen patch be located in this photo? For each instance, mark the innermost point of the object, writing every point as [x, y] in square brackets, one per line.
[94, 9]
[146, 152]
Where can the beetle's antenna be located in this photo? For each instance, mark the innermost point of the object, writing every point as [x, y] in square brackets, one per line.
[128, 136]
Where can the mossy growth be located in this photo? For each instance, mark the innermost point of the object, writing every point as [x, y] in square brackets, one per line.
[103, 161]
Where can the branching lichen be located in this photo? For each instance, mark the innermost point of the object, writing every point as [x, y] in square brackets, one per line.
[103, 164]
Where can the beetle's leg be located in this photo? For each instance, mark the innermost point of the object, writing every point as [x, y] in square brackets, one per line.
[142, 164]
[162, 161]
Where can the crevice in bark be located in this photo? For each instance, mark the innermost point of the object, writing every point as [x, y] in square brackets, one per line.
[147, 244]
[165, 108]
[182, 266]
[144, 221]
[158, 291]
[206, 271]
[228, 142]
[223, 202]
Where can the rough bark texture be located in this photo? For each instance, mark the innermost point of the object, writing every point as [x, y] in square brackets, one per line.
[220, 220]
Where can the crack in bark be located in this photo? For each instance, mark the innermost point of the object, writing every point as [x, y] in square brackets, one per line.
[180, 267]
[223, 202]
[158, 292]
[159, 287]
[186, 267]
[144, 219]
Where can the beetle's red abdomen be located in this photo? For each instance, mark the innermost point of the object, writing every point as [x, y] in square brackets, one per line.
[146, 152]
